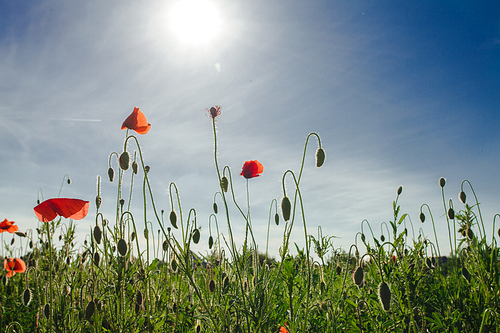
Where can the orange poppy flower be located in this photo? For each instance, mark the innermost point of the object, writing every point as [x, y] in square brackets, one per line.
[69, 208]
[137, 122]
[252, 169]
[8, 226]
[13, 266]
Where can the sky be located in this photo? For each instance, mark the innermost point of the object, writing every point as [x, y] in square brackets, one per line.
[401, 93]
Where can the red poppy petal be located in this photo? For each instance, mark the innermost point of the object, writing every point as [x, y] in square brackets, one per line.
[137, 121]
[69, 208]
[19, 266]
[252, 169]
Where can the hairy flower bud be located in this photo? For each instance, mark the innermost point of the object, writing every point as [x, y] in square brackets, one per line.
[97, 234]
[320, 157]
[173, 219]
[196, 235]
[400, 190]
[124, 160]
[462, 197]
[224, 183]
[276, 219]
[422, 217]
[122, 247]
[442, 182]
[111, 174]
[384, 295]
[358, 276]
[286, 208]
[451, 213]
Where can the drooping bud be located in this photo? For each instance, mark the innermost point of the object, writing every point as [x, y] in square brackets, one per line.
[46, 310]
[451, 213]
[173, 219]
[122, 247]
[442, 182]
[111, 174]
[216, 208]
[384, 295]
[165, 245]
[124, 160]
[211, 286]
[97, 259]
[69, 181]
[196, 235]
[358, 276]
[210, 242]
[89, 310]
[382, 238]
[286, 208]
[173, 265]
[97, 234]
[27, 297]
[146, 233]
[276, 219]
[320, 157]
[363, 238]
[462, 197]
[422, 217]
[224, 183]
[146, 169]
[400, 190]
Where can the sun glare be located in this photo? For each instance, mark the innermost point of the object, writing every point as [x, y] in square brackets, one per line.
[194, 21]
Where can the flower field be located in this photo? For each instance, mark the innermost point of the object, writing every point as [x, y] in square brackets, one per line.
[131, 280]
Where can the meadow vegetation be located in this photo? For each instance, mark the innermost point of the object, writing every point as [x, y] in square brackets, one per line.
[130, 280]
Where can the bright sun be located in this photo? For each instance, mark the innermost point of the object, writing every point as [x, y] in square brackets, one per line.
[194, 21]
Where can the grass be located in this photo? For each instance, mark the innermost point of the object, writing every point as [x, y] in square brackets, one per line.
[117, 285]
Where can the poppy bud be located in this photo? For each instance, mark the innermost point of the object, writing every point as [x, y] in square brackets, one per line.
[13, 239]
[196, 236]
[147, 168]
[122, 202]
[132, 236]
[363, 238]
[224, 183]
[124, 160]
[466, 274]
[97, 234]
[111, 174]
[451, 213]
[211, 286]
[20, 234]
[320, 157]
[358, 276]
[134, 167]
[210, 242]
[46, 310]
[30, 244]
[165, 245]
[89, 310]
[225, 282]
[146, 233]
[462, 196]
[422, 217]
[216, 209]
[286, 208]
[382, 238]
[69, 181]
[122, 247]
[498, 232]
[442, 182]
[400, 190]
[173, 219]
[98, 201]
[173, 264]
[470, 234]
[384, 295]
[138, 298]
[276, 219]
[27, 297]
[97, 259]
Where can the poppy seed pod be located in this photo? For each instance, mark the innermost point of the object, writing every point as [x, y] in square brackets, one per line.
[320, 157]
[462, 196]
[224, 183]
[442, 182]
[196, 236]
[122, 247]
[286, 208]
[384, 295]
[358, 276]
[111, 174]
[422, 217]
[400, 190]
[124, 160]
[173, 219]
[451, 213]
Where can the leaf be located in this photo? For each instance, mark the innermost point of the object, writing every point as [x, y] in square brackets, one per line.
[402, 218]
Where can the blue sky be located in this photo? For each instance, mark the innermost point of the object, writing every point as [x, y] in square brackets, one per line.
[401, 93]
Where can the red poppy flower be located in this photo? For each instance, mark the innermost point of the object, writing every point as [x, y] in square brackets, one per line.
[214, 111]
[13, 266]
[251, 169]
[137, 122]
[8, 226]
[283, 329]
[69, 208]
